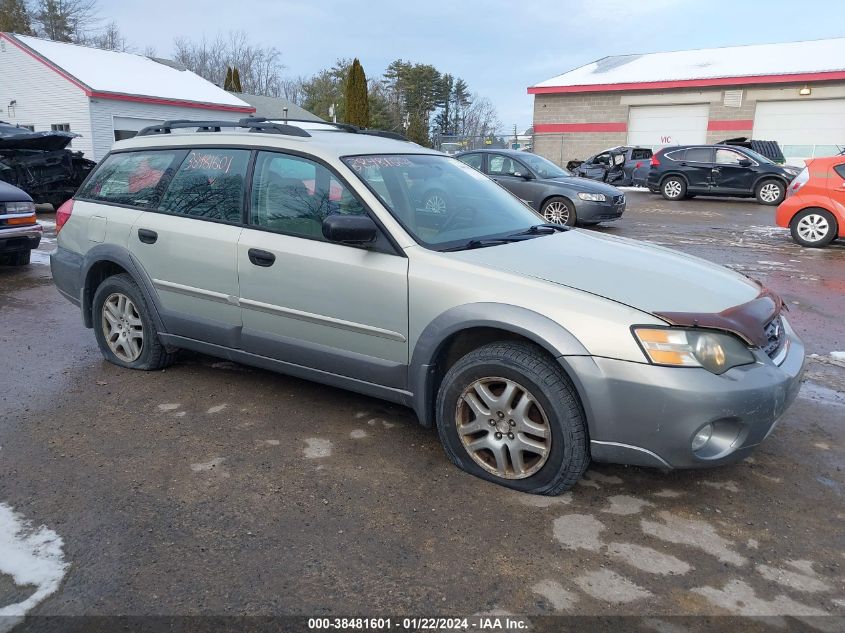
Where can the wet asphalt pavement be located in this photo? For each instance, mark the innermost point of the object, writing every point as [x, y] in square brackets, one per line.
[214, 488]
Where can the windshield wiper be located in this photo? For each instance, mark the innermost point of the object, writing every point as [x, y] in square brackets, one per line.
[481, 243]
[542, 229]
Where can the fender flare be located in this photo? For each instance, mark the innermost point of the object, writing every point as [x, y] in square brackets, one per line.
[763, 177]
[122, 257]
[540, 329]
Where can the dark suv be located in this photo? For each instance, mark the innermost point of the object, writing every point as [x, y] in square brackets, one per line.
[716, 170]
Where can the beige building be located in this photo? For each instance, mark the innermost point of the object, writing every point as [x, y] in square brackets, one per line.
[792, 93]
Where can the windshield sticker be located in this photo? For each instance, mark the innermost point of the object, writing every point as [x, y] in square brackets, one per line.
[361, 163]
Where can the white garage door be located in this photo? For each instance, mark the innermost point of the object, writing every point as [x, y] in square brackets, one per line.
[803, 129]
[659, 126]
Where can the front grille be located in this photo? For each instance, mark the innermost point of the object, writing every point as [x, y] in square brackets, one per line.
[775, 337]
[619, 199]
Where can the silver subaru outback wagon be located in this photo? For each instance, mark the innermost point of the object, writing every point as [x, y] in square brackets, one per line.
[532, 348]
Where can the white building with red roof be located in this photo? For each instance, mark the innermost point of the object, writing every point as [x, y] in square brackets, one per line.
[101, 95]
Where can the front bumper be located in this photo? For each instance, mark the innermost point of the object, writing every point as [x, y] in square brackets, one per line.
[647, 415]
[587, 211]
[20, 238]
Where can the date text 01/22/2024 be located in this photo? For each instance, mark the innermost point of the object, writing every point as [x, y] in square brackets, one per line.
[480, 623]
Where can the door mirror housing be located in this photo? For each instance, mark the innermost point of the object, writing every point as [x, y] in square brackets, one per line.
[525, 175]
[355, 230]
[745, 162]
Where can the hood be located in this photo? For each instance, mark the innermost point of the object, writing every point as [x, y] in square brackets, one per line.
[10, 193]
[641, 275]
[585, 185]
[14, 137]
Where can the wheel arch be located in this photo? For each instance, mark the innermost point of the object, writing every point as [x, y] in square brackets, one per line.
[672, 173]
[554, 194]
[459, 330]
[763, 177]
[106, 260]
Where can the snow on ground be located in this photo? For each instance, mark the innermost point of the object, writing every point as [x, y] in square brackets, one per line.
[32, 557]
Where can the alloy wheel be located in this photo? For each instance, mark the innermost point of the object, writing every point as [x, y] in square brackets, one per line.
[672, 189]
[556, 212]
[769, 192]
[435, 204]
[813, 227]
[503, 428]
[122, 327]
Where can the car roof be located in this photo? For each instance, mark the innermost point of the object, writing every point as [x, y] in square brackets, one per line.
[509, 152]
[322, 140]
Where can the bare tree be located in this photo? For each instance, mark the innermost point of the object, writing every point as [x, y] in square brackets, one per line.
[479, 118]
[110, 38]
[293, 89]
[260, 67]
[65, 20]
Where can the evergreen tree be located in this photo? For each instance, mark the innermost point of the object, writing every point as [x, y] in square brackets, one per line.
[418, 129]
[14, 17]
[227, 83]
[357, 110]
[236, 80]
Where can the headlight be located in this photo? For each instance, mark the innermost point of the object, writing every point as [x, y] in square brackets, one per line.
[20, 207]
[714, 351]
[594, 197]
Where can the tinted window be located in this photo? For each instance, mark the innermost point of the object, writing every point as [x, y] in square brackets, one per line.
[294, 195]
[840, 169]
[728, 157]
[208, 184]
[132, 178]
[640, 154]
[678, 154]
[473, 160]
[699, 155]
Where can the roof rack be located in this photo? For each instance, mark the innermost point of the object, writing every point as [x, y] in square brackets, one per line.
[262, 124]
[253, 124]
[352, 129]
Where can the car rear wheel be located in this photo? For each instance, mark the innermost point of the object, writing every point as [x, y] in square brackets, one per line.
[673, 188]
[770, 192]
[559, 211]
[813, 228]
[125, 331]
[20, 258]
[507, 413]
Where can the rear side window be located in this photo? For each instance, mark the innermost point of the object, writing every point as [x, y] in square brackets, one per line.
[209, 184]
[699, 155]
[678, 154]
[640, 154]
[473, 160]
[133, 178]
[293, 195]
[840, 169]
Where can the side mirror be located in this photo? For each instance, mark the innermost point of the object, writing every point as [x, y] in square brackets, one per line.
[350, 229]
[525, 175]
[745, 162]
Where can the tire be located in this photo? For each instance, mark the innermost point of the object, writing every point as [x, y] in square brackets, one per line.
[553, 408]
[813, 228]
[559, 210]
[21, 258]
[770, 192]
[436, 201]
[673, 188]
[128, 313]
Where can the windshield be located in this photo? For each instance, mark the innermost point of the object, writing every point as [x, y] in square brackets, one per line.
[758, 157]
[542, 167]
[440, 201]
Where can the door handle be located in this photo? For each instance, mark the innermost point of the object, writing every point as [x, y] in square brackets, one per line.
[261, 258]
[147, 236]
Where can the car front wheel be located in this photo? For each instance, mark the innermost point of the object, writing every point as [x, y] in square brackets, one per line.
[673, 188]
[813, 228]
[770, 192]
[507, 413]
[559, 211]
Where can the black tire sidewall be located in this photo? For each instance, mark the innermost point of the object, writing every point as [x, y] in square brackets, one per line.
[774, 182]
[669, 179]
[124, 285]
[831, 231]
[563, 441]
[573, 216]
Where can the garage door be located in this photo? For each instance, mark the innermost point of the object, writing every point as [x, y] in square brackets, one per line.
[803, 129]
[659, 126]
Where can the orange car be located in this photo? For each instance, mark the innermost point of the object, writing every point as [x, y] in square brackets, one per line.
[814, 208]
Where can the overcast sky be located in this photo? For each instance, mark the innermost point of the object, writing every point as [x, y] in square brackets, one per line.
[499, 47]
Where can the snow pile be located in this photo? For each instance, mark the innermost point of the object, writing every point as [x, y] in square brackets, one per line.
[31, 557]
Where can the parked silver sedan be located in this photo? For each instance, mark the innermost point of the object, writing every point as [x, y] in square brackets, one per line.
[531, 347]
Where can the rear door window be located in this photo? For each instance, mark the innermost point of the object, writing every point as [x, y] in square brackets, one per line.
[699, 155]
[132, 178]
[473, 160]
[209, 184]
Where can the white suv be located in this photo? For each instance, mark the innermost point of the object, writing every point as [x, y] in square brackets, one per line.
[531, 347]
